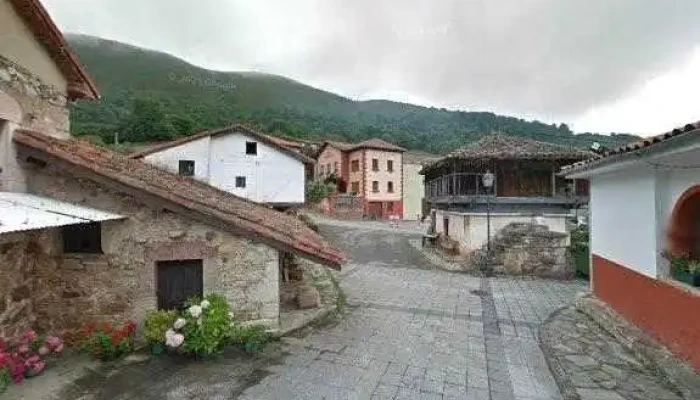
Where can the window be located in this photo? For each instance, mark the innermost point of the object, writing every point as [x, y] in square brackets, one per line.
[355, 165]
[335, 167]
[446, 226]
[186, 167]
[375, 186]
[240, 181]
[355, 187]
[82, 238]
[390, 187]
[375, 164]
[390, 165]
[251, 148]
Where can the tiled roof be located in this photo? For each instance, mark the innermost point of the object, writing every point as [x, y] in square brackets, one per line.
[236, 128]
[285, 142]
[45, 31]
[201, 201]
[693, 128]
[377, 144]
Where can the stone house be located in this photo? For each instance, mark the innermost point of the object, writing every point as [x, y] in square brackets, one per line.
[239, 160]
[371, 170]
[87, 234]
[645, 202]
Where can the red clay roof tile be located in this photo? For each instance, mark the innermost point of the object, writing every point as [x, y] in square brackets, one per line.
[240, 216]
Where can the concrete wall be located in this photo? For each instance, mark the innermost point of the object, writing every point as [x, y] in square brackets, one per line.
[271, 176]
[623, 219]
[18, 44]
[67, 290]
[470, 229]
[197, 150]
[413, 191]
[383, 176]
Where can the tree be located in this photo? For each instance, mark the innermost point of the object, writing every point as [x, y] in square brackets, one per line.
[147, 122]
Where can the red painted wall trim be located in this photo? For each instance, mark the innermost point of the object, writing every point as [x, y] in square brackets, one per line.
[668, 313]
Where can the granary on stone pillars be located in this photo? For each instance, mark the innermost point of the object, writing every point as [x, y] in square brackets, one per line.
[524, 183]
[87, 234]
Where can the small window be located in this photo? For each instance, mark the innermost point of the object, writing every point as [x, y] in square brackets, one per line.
[375, 164]
[390, 165]
[390, 187]
[375, 186]
[186, 167]
[82, 238]
[251, 148]
[335, 167]
[446, 226]
[240, 181]
[355, 187]
[355, 165]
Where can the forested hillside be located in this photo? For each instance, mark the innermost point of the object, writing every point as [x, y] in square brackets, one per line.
[149, 96]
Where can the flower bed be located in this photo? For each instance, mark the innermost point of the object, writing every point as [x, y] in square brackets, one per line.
[26, 356]
[202, 329]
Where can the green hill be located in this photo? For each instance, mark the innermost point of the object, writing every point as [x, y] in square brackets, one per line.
[148, 95]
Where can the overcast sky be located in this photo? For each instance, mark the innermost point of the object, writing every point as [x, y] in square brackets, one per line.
[599, 65]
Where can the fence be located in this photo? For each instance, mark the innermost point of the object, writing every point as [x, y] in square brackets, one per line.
[461, 184]
[343, 206]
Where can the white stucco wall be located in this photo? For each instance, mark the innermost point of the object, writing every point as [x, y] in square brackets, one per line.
[623, 219]
[271, 176]
[471, 229]
[413, 191]
[197, 150]
[18, 44]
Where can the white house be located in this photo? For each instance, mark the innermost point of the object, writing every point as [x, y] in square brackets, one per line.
[238, 160]
[644, 202]
[413, 185]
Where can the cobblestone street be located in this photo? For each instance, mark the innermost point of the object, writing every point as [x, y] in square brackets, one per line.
[416, 332]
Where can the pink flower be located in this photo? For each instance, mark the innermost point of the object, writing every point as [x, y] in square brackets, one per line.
[30, 336]
[43, 350]
[38, 366]
[53, 341]
[23, 349]
[58, 349]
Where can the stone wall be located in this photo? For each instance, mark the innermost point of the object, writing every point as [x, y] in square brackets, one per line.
[527, 249]
[44, 107]
[70, 289]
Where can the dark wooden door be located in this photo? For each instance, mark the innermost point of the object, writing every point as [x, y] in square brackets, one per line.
[178, 281]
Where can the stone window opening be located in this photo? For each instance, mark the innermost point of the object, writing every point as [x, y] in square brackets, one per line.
[355, 165]
[375, 164]
[186, 167]
[390, 187]
[251, 148]
[390, 165]
[240, 182]
[82, 238]
[375, 186]
[355, 187]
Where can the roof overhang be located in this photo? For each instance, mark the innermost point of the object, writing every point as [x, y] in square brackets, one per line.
[604, 165]
[23, 212]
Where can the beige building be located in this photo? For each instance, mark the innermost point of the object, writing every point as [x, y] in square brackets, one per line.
[413, 184]
[371, 170]
[87, 234]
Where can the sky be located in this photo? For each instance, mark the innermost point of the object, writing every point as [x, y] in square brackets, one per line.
[598, 65]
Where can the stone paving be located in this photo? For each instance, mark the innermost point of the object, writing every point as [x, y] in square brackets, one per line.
[413, 331]
[590, 364]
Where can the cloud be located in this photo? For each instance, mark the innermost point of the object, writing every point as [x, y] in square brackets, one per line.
[552, 59]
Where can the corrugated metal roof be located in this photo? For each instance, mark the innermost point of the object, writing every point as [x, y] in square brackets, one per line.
[23, 211]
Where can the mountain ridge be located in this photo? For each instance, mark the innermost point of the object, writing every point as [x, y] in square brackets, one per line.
[150, 95]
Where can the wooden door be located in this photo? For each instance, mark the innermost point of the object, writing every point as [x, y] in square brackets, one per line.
[374, 209]
[178, 281]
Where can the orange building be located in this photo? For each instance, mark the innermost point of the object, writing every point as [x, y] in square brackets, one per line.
[371, 170]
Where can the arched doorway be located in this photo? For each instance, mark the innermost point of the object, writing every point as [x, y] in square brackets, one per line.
[684, 225]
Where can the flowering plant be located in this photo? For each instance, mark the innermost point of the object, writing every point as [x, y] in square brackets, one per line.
[107, 342]
[202, 328]
[24, 357]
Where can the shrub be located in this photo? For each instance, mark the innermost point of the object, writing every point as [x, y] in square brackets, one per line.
[106, 342]
[25, 357]
[251, 338]
[317, 191]
[157, 323]
[203, 326]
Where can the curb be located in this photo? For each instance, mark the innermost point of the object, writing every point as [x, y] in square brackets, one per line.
[306, 322]
[642, 346]
[561, 377]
